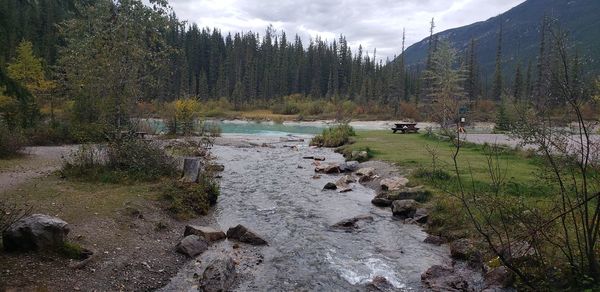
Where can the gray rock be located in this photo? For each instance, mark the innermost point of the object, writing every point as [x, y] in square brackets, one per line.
[328, 168]
[349, 166]
[367, 172]
[393, 183]
[353, 223]
[421, 215]
[345, 180]
[191, 169]
[208, 233]
[36, 232]
[242, 234]
[359, 155]
[440, 278]
[218, 276]
[330, 186]
[381, 202]
[500, 277]
[404, 209]
[192, 245]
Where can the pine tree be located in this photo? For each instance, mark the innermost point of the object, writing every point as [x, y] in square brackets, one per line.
[518, 85]
[472, 78]
[497, 86]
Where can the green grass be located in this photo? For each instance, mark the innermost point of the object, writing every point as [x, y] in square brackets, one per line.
[410, 153]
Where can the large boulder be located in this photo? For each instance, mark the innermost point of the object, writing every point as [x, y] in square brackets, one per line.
[192, 166]
[440, 278]
[353, 223]
[192, 245]
[218, 276]
[36, 232]
[393, 183]
[208, 233]
[404, 209]
[500, 277]
[242, 234]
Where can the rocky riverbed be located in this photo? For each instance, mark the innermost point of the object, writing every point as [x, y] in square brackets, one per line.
[269, 187]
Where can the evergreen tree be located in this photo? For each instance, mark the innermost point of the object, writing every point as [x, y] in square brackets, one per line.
[497, 86]
[518, 85]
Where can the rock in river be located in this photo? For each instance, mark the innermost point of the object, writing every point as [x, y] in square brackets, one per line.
[242, 234]
[36, 232]
[192, 245]
[219, 275]
[404, 208]
[328, 168]
[353, 223]
[208, 233]
[330, 186]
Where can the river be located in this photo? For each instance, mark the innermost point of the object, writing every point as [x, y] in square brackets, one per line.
[272, 191]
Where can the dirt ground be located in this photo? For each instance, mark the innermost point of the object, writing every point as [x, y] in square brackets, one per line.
[132, 238]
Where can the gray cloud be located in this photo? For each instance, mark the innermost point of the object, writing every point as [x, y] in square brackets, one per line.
[374, 24]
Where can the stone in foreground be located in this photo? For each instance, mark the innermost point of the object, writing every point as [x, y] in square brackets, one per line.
[219, 275]
[208, 233]
[192, 245]
[242, 234]
[36, 232]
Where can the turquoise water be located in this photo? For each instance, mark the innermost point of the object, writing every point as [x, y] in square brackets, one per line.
[267, 129]
[249, 128]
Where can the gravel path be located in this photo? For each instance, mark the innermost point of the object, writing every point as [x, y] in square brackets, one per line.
[37, 162]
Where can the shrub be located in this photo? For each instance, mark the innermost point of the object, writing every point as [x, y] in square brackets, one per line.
[334, 137]
[120, 160]
[186, 200]
[11, 142]
[11, 213]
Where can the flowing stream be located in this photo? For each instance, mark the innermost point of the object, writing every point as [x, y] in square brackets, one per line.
[272, 192]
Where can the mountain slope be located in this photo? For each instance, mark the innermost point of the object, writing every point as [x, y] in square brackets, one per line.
[521, 36]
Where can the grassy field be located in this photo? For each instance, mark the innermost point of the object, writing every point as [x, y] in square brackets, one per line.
[410, 152]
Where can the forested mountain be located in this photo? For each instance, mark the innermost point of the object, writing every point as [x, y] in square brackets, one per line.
[521, 29]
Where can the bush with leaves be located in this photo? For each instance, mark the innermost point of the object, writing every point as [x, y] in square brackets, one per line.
[186, 200]
[334, 136]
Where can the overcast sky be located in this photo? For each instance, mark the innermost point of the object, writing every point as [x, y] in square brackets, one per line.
[373, 23]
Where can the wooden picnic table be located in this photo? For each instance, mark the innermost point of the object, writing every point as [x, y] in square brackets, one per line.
[405, 128]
